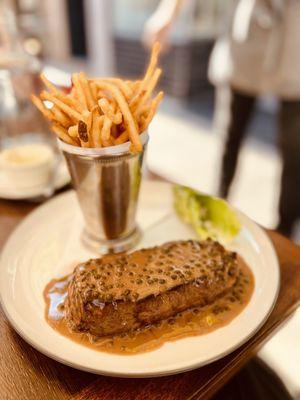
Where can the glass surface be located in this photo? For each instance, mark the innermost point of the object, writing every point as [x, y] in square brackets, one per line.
[20, 122]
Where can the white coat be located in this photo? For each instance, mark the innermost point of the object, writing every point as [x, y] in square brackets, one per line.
[261, 54]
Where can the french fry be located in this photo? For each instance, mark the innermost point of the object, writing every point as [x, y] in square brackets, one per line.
[87, 90]
[102, 112]
[48, 84]
[41, 107]
[108, 143]
[105, 132]
[83, 134]
[73, 131]
[63, 134]
[155, 103]
[153, 62]
[69, 100]
[122, 85]
[107, 110]
[61, 117]
[87, 118]
[144, 109]
[74, 95]
[150, 70]
[64, 107]
[97, 124]
[128, 118]
[79, 90]
[94, 91]
[148, 90]
[134, 86]
[122, 138]
[114, 131]
[103, 94]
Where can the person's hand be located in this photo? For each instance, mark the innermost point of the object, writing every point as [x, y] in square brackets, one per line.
[156, 30]
[158, 27]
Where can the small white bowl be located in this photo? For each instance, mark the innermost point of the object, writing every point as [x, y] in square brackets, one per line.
[27, 165]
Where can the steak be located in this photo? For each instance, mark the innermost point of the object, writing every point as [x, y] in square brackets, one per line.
[119, 293]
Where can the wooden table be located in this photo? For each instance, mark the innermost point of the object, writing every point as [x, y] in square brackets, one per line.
[26, 374]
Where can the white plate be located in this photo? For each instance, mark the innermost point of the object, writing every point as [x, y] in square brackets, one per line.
[10, 192]
[46, 245]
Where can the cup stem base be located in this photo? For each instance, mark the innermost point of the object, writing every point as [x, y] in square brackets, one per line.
[111, 246]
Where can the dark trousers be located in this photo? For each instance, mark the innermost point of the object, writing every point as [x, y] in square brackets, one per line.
[240, 111]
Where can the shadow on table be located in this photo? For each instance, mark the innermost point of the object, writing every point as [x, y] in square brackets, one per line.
[256, 381]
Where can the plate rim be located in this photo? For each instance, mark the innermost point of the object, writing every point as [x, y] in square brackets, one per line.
[42, 349]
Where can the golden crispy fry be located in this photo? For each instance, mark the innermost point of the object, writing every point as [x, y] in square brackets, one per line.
[74, 95]
[128, 118]
[87, 118]
[108, 110]
[105, 106]
[105, 132]
[63, 134]
[48, 84]
[148, 90]
[87, 90]
[102, 93]
[154, 105]
[71, 101]
[152, 65]
[83, 134]
[122, 85]
[96, 110]
[97, 124]
[41, 107]
[114, 131]
[73, 131]
[94, 91]
[82, 131]
[64, 107]
[61, 117]
[144, 109]
[101, 119]
[79, 90]
[122, 138]
[134, 85]
[108, 143]
[150, 70]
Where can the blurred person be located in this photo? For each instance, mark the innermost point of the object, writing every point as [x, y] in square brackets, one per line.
[259, 54]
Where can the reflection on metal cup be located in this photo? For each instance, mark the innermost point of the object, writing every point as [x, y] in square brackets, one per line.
[107, 182]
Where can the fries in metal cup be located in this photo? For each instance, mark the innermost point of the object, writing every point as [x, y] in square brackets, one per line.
[101, 112]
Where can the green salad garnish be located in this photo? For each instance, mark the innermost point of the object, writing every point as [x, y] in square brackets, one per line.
[209, 216]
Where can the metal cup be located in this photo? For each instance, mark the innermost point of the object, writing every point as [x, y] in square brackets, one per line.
[107, 183]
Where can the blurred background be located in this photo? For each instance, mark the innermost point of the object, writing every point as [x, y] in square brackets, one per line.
[187, 136]
[104, 38]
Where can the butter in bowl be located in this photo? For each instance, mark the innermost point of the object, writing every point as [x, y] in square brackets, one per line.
[27, 165]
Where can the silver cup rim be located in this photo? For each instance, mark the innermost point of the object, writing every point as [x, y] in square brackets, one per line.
[101, 151]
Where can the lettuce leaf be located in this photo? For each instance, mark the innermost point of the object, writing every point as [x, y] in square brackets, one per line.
[208, 215]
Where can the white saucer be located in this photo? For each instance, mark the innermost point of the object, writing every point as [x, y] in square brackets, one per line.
[10, 192]
[52, 246]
